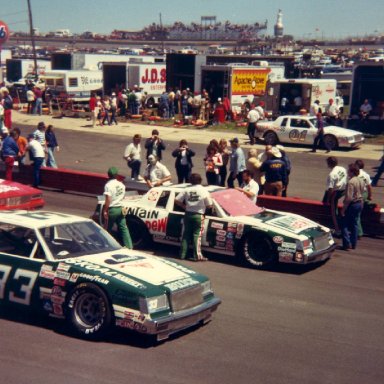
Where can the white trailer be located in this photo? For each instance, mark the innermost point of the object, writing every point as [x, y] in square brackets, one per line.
[17, 70]
[74, 85]
[309, 90]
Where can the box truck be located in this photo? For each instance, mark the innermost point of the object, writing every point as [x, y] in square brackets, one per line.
[150, 77]
[74, 85]
[17, 70]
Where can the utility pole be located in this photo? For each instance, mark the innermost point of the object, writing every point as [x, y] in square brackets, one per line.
[32, 33]
[162, 33]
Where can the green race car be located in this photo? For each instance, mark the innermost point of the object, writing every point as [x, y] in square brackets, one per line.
[234, 227]
[70, 267]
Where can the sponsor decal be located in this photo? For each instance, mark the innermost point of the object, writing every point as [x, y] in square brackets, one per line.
[181, 284]
[220, 245]
[286, 254]
[47, 274]
[220, 238]
[289, 245]
[178, 266]
[94, 278]
[48, 306]
[217, 225]
[63, 275]
[159, 225]
[230, 242]
[152, 195]
[292, 223]
[230, 235]
[232, 230]
[278, 239]
[134, 315]
[221, 232]
[60, 282]
[57, 309]
[125, 323]
[63, 267]
[74, 277]
[282, 249]
[249, 81]
[232, 225]
[143, 213]
[119, 259]
[106, 271]
[57, 300]
[56, 290]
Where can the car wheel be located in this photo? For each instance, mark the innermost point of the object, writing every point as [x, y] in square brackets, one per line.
[270, 138]
[139, 232]
[89, 311]
[258, 251]
[330, 142]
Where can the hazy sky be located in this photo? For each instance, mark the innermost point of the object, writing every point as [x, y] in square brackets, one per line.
[302, 18]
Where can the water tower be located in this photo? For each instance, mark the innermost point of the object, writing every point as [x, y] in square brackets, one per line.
[279, 27]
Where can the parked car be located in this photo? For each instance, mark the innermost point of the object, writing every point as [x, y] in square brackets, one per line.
[297, 129]
[234, 227]
[19, 196]
[71, 268]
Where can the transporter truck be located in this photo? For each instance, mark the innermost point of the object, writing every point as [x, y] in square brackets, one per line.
[149, 77]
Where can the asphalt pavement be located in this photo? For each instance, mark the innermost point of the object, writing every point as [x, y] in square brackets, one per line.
[319, 324]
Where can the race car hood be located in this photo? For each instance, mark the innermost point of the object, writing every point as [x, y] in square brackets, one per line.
[137, 268]
[333, 129]
[289, 223]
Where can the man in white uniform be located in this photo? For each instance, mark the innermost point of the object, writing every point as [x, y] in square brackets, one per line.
[249, 187]
[195, 200]
[253, 117]
[114, 192]
[336, 183]
[156, 173]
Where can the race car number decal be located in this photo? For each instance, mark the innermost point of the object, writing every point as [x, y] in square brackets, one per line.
[25, 279]
[295, 135]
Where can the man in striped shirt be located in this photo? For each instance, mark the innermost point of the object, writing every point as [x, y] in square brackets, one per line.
[39, 134]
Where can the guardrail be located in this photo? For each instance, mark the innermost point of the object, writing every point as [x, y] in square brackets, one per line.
[70, 180]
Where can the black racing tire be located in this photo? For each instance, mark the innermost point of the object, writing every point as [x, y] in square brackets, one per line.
[331, 142]
[270, 138]
[89, 311]
[258, 251]
[140, 235]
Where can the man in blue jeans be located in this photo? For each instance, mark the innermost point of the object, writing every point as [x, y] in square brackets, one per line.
[37, 156]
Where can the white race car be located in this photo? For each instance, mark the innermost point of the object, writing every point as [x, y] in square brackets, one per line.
[303, 129]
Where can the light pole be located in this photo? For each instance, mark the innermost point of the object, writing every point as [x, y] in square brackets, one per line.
[32, 33]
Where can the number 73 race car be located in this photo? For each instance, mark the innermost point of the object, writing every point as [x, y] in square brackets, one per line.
[234, 227]
[69, 267]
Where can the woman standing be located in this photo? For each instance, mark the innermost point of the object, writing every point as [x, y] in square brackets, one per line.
[50, 139]
[132, 154]
[213, 162]
[183, 162]
[224, 152]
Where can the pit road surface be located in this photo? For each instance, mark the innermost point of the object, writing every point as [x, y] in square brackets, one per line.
[291, 325]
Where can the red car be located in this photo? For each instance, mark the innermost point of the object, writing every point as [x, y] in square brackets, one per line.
[19, 196]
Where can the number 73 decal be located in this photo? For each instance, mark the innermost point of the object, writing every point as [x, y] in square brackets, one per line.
[24, 282]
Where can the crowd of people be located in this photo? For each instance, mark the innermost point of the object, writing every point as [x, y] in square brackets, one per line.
[38, 146]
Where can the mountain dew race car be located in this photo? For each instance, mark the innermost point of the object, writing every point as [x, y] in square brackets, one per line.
[234, 227]
[71, 268]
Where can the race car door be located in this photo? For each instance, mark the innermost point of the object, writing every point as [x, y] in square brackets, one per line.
[21, 259]
[301, 131]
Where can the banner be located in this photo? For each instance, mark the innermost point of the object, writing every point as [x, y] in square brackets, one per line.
[249, 81]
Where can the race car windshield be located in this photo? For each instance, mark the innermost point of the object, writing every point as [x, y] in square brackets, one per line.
[78, 239]
[235, 203]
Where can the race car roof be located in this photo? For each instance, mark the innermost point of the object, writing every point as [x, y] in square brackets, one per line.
[37, 219]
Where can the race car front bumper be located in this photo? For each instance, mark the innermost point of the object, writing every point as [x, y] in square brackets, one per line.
[175, 322]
